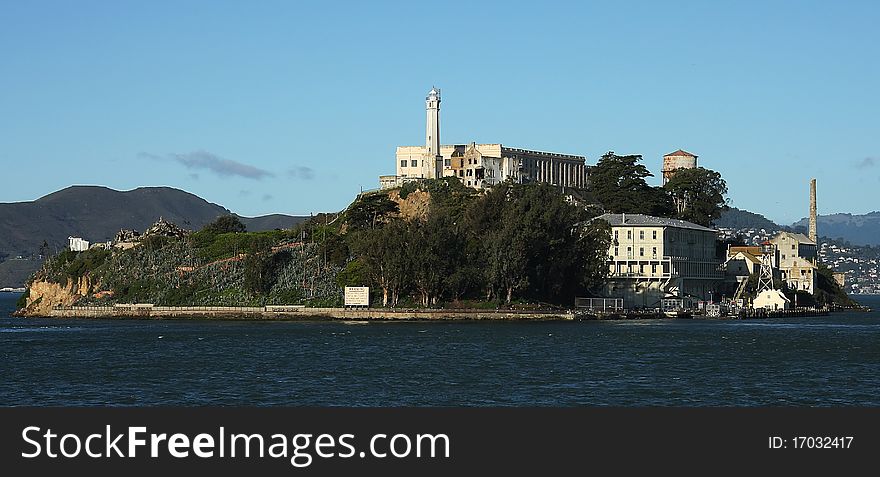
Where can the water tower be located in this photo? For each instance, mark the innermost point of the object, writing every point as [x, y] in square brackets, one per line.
[673, 161]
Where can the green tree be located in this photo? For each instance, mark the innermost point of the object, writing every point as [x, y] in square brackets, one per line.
[261, 270]
[384, 253]
[594, 241]
[698, 195]
[355, 274]
[828, 292]
[618, 183]
[531, 243]
[369, 211]
[434, 254]
[225, 224]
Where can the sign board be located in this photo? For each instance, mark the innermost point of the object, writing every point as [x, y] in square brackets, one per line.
[357, 296]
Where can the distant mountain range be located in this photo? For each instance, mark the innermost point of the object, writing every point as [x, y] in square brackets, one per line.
[96, 214]
[855, 229]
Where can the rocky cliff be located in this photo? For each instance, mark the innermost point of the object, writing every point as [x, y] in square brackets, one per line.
[43, 295]
[415, 205]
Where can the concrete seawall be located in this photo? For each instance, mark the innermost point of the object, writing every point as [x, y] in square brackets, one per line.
[300, 313]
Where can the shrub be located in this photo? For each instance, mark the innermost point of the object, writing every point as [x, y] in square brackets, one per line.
[22, 300]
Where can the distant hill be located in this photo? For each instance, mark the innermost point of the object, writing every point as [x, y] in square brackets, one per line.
[735, 218]
[856, 229]
[97, 213]
[271, 222]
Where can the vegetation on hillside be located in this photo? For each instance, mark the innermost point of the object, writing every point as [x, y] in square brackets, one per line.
[696, 195]
[733, 218]
[513, 242]
[218, 266]
[828, 291]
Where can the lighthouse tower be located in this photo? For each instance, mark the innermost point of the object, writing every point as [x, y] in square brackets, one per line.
[433, 159]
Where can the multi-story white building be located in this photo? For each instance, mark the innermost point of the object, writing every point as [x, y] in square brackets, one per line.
[796, 257]
[481, 165]
[652, 258]
[77, 244]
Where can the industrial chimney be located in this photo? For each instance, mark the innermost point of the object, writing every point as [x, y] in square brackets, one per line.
[813, 236]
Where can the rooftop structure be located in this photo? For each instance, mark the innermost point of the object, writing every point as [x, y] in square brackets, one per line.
[673, 161]
[641, 220]
[480, 165]
[77, 244]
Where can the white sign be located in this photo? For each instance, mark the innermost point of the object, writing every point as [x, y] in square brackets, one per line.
[357, 296]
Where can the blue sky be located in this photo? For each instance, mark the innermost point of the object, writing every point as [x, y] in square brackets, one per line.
[292, 107]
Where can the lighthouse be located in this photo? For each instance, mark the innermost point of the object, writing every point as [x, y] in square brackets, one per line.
[433, 159]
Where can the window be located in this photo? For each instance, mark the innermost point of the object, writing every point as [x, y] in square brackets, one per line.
[629, 252]
[654, 235]
[615, 251]
[641, 235]
[414, 163]
[615, 235]
[447, 162]
[461, 173]
[653, 269]
[629, 234]
[470, 172]
[403, 163]
[792, 246]
[469, 183]
[654, 252]
[641, 251]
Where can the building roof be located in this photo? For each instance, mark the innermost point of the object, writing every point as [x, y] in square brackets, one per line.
[749, 249]
[801, 238]
[680, 152]
[504, 150]
[641, 220]
[746, 255]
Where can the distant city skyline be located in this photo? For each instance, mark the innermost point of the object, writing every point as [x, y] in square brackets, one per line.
[277, 107]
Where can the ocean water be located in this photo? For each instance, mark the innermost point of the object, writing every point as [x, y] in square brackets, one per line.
[817, 361]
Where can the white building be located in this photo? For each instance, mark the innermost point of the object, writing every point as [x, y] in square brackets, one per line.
[77, 244]
[771, 300]
[742, 261]
[652, 258]
[481, 165]
[796, 257]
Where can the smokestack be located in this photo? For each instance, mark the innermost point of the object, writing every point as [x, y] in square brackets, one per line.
[813, 236]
